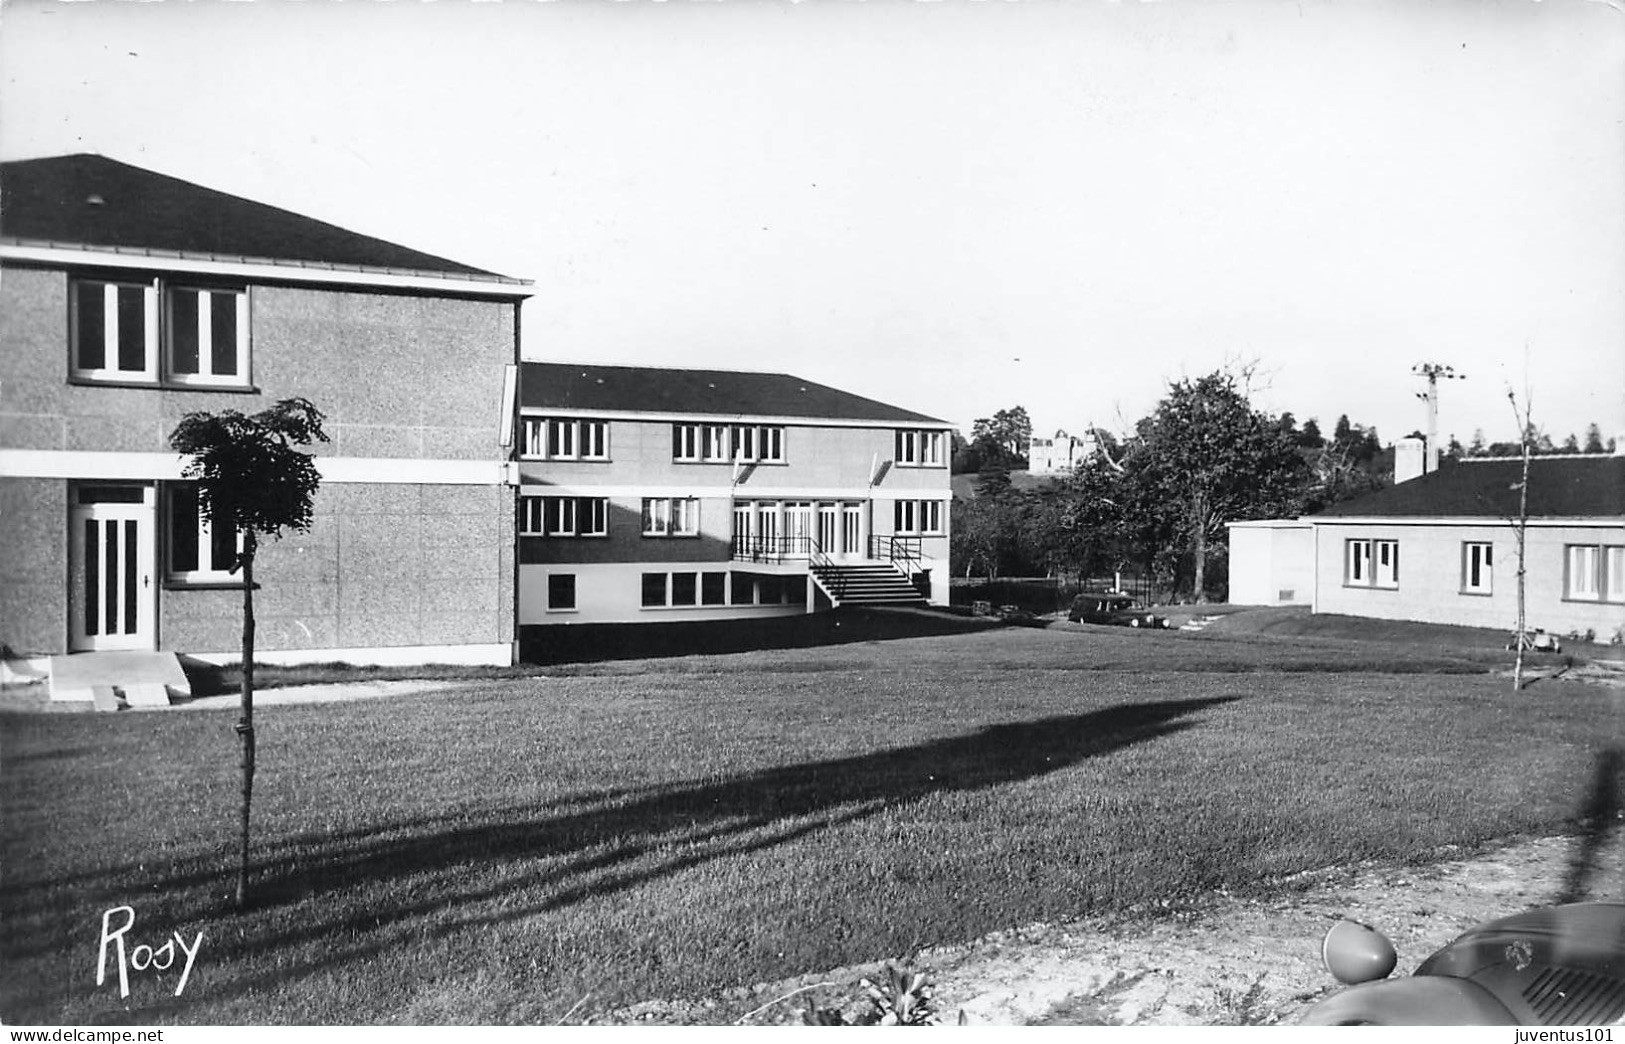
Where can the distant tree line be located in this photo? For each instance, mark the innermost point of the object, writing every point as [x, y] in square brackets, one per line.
[1154, 504]
[1540, 444]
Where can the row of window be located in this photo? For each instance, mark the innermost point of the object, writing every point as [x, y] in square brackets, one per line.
[564, 438]
[685, 589]
[589, 516]
[154, 331]
[1591, 572]
[678, 517]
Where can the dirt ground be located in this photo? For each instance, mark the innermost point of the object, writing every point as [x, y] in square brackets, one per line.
[1228, 960]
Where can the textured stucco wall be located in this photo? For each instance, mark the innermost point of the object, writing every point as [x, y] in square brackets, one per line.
[33, 565]
[382, 565]
[1430, 576]
[397, 375]
[385, 564]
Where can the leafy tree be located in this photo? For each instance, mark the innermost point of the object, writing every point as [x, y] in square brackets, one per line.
[1003, 438]
[1570, 444]
[1477, 447]
[1205, 458]
[1310, 437]
[252, 480]
[1593, 438]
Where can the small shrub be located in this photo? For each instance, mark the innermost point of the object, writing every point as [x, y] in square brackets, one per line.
[903, 998]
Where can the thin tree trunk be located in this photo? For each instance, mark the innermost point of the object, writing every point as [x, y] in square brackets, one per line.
[1520, 531]
[245, 725]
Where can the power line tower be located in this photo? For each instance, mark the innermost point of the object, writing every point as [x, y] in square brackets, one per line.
[1433, 372]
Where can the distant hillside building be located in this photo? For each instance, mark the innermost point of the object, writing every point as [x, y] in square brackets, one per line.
[1059, 455]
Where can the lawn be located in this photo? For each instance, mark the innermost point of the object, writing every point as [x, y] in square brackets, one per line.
[592, 836]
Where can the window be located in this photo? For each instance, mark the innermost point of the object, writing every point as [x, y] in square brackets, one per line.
[919, 449]
[561, 591]
[771, 445]
[556, 438]
[684, 588]
[667, 516]
[1371, 563]
[1476, 572]
[195, 554]
[685, 442]
[564, 516]
[654, 590]
[917, 517]
[714, 443]
[721, 443]
[713, 588]
[1594, 573]
[208, 336]
[117, 328]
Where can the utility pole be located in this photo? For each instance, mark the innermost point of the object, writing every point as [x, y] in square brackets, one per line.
[1433, 371]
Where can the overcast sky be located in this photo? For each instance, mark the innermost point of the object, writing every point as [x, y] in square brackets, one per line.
[955, 207]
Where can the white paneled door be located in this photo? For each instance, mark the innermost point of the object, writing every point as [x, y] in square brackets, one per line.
[112, 598]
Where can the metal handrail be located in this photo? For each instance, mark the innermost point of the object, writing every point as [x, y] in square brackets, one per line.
[907, 550]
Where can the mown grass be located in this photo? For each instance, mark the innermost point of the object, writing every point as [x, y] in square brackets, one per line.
[679, 827]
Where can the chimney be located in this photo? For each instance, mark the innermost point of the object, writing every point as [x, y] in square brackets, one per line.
[1410, 456]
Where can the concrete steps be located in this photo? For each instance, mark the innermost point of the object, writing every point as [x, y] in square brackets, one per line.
[114, 679]
[866, 584]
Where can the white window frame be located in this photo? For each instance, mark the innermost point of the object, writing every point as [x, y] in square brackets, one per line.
[1594, 573]
[714, 443]
[205, 375]
[575, 593]
[559, 517]
[744, 443]
[685, 443]
[770, 444]
[919, 448]
[1479, 556]
[917, 518]
[208, 571]
[1371, 562]
[110, 369]
[576, 439]
[158, 326]
[671, 516]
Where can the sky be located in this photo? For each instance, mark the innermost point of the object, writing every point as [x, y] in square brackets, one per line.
[953, 206]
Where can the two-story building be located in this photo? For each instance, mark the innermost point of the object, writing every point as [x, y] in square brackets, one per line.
[129, 299]
[664, 495]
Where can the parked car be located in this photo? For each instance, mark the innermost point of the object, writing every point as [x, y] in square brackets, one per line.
[1552, 966]
[1113, 608]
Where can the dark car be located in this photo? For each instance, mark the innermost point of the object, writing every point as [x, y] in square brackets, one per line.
[1113, 608]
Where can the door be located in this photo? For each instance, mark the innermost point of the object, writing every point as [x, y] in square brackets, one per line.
[852, 531]
[742, 544]
[767, 528]
[798, 523]
[110, 567]
[828, 527]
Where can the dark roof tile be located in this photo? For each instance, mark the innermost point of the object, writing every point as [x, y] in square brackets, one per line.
[1559, 487]
[728, 393]
[89, 200]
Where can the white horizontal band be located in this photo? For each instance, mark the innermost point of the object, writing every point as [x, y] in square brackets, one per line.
[265, 269]
[166, 467]
[744, 491]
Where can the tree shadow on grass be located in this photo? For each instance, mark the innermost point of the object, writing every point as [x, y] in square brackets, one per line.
[353, 895]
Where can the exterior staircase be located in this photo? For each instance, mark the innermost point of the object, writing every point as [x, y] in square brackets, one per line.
[113, 680]
[865, 583]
